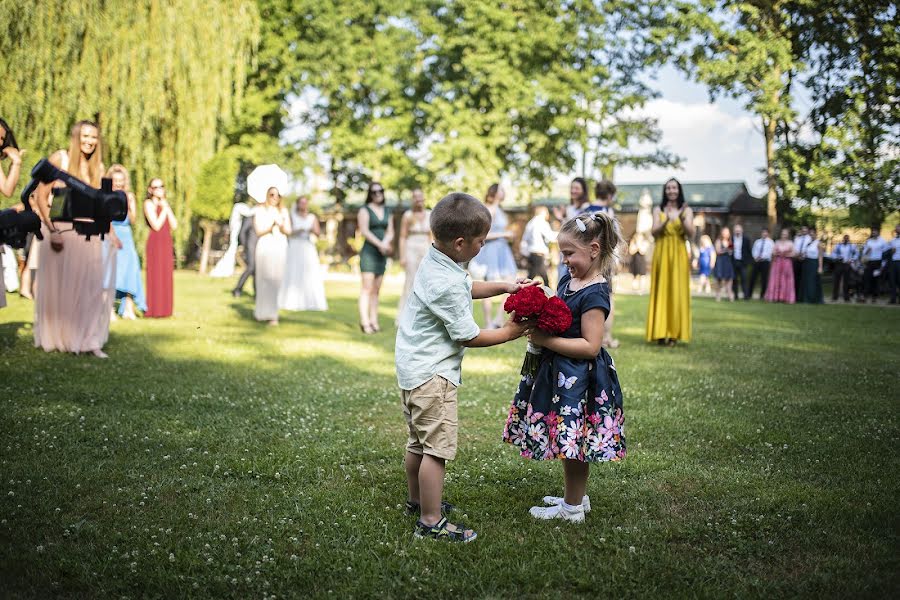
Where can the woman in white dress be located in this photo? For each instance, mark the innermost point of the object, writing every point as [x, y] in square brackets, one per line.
[415, 239]
[273, 225]
[74, 294]
[302, 288]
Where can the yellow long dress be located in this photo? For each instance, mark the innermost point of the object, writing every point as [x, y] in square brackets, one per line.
[669, 315]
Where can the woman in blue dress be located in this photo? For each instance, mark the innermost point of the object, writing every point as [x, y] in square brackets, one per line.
[572, 408]
[705, 263]
[129, 288]
[495, 262]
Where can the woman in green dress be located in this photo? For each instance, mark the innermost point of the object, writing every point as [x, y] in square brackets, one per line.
[377, 229]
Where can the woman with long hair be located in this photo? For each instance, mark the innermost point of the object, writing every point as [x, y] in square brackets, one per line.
[128, 266]
[781, 279]
[415, 239]
[724, 269]
[579, 201]
[302, 287]
[160, 251]
[273, 224]
[811, 278]
[8, 149]
[72, 305]
[495, 261]
[377, 228]
[669, 314]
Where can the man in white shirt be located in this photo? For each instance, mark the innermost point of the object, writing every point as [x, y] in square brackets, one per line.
[894, 265]
[872, 255]
[535, 243]
[762, 261]
[843, 255]
[801, 241]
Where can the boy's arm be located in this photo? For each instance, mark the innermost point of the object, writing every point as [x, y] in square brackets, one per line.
[493, 337]
[488, 289]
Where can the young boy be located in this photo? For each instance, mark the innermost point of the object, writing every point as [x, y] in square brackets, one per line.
[436, 326]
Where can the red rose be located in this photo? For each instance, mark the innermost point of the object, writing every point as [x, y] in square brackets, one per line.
[556, 316]
[527, 302]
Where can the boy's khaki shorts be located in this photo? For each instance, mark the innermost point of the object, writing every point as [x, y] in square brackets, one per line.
[430, 412]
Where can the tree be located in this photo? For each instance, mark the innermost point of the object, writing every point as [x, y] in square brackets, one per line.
[215, 197]
[162, 78]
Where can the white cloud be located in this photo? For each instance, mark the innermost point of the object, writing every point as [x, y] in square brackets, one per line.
[716, 145]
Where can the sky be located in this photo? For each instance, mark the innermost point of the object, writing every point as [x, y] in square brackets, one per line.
[718, 141]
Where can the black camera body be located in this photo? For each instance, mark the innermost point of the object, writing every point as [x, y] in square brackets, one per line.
[15, 227]
[90, 210]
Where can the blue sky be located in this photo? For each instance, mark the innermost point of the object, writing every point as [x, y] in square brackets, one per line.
[718, 141]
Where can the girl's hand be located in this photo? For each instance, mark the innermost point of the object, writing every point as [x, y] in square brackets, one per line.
[539, 337]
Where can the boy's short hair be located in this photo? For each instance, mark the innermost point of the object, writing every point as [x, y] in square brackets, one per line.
[605, 189]
[459, 215]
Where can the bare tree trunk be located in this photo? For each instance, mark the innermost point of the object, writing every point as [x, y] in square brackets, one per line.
[207, 227]
[772, 196]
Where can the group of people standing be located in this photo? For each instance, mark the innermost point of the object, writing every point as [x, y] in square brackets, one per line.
[75, 280]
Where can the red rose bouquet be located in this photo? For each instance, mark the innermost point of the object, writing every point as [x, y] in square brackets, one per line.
[550, 314]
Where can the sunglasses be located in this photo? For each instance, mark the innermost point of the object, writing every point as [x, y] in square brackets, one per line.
[377, 191]
[157, 187]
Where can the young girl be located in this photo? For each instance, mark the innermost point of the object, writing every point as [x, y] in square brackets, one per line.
[572, 409]
[705, 263]
[724, 269]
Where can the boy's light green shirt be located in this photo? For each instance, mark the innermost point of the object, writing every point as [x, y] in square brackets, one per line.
[437, 317]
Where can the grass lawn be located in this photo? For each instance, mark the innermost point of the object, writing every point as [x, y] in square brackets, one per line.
[212, 456]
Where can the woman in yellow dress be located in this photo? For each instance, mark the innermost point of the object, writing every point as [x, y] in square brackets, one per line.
[669, 317]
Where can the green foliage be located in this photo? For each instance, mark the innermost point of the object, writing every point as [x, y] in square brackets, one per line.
[160, 76]
[215, 187]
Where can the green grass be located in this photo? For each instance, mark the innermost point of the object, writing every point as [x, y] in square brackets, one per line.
[212, 456]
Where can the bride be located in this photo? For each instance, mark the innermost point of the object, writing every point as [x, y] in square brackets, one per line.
[302, 287]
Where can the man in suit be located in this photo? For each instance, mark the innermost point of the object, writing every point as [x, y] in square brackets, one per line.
[247, 238]
[762, 261]
[742, 258]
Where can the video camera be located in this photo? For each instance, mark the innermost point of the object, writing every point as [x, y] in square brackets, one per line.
[15, 226]
[90, 210]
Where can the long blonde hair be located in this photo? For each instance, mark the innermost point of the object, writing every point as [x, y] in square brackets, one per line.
[94, 163]
[117, 168]
[601, 227]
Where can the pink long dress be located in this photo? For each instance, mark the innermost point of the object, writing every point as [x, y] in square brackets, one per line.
[781, 278]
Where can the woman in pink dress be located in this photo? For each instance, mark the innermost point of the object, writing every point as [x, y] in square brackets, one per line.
[74, 294]
[781, 279]
[160, 251]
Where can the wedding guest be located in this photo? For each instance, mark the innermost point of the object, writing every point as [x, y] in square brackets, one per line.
[8, 149]
[843, 255]
[72, 307]
[894, 264]
[705, 262]
[128, 266]
[740, 258]
[762, 263]
[873, 255]
[781, 280]
[638, 248]
[415, 240]
[811, 286]
[495, 261]
[247, 239]
[160, 254]
[604, 193]
[579, 200]
[535, 244]
[669, 314]
[800, 242]
[272, 223]
[303, 287]
[377, 228]
[724, 269]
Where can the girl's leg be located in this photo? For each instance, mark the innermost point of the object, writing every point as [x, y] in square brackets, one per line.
[365, 295]
[718, 290]
[129, 308]
[729, 290]
[373, 302]
[576, 478]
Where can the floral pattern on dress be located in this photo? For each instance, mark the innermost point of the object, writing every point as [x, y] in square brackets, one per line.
[572, 408]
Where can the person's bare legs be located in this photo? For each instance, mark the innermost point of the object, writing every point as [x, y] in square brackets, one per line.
[575, 474]
[413, 462]
[25, 284]
[128, 313]
[365, 296]
[373, 301]
[486, 304]
[431, 488]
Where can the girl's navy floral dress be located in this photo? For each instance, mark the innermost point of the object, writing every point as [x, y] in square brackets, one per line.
[573, 407]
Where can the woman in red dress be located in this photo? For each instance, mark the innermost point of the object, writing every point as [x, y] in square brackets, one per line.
[160, 251]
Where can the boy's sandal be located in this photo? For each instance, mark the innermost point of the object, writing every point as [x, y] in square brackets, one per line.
[441, 532]
[414, 508]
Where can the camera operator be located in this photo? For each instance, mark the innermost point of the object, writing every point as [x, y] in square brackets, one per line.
[75, 292]
[8, 149]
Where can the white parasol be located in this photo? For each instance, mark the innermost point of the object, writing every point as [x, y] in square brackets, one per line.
[264, 177]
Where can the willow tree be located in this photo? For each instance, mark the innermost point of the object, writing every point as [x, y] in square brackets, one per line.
[162, 78]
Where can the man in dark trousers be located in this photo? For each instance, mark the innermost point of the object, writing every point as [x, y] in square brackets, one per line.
[843, 256]
[247, 238]
[742, 259]
[762, 261]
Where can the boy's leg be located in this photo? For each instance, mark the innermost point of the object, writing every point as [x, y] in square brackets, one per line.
[576, 478]
[431, 488]
[413, 462]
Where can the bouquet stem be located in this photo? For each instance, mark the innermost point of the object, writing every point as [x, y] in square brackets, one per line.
[532, 360]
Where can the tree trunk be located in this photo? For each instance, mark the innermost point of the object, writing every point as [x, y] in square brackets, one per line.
[772, 196]
[207, 227]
